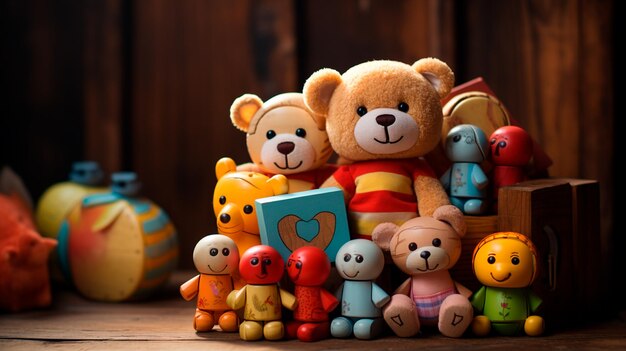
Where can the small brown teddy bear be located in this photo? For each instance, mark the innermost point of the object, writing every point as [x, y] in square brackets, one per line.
[284, 137]
[426, 248]
[383, 116]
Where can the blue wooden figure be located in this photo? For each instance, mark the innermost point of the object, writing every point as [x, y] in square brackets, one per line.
[359, 262]
[465, 181]
[307, 218]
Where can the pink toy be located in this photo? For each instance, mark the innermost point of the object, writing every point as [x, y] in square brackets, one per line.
[216, 258]
[24, 278]
[511, 151]
[261, 267]
[425, 248]
[309, 268]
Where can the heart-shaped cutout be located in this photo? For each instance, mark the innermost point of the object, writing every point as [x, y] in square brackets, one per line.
[308, 230]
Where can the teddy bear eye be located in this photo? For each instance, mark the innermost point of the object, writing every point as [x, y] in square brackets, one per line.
[301, 132]
[403, 106]
[361, 110]
[412, 246]
[436, 242]
[222, 200]
[247, 209]
[270, 134]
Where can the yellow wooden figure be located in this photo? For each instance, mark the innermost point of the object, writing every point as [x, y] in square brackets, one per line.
[262, 299]
[216, 258]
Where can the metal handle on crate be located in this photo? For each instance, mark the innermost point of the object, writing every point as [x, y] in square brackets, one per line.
[553, 255]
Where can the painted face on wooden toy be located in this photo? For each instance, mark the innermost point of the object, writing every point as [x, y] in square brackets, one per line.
[216, 255]
[506, 260]
[359, 259]
[308, 266]
[466, 143]
[261, 264]
[510, 146]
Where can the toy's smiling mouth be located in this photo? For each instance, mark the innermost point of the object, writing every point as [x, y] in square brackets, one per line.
[387, 138]
[286, 166]
[218, 271]
[427, 269]
[351, 276]
[501, 280]
[261, 276]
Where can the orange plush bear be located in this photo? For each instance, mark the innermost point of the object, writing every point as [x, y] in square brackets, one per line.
[24, 278]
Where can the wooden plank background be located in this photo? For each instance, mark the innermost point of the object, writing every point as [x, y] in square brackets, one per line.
[147, 85]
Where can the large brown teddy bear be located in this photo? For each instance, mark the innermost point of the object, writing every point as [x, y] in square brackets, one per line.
[383, 116]
[284, 137]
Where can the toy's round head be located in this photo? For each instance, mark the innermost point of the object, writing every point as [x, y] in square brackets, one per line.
[511, 146]
[381, 109]
[467, 143]
[261, 264]
[506, 260]
[359, 259]
[308, 266]
[216, 254]
[283, 135]
[424, 244]
[234, 195]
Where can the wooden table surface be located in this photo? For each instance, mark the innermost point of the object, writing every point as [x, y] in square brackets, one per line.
[165, 323]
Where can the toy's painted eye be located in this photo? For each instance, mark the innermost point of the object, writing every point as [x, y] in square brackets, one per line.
[299, 265]
[436, 242]
[222, 200]
[456, 138]
[346, 257]
[301, 132]
[493, 141]
[225, 252]
[267, 262]
[254, 261]
[270, 134]
[361, 110]
[515, 260]
[213, 252]
[502, 144]
[491, 260]
[358, 258]
[247, 209]
[412, 246]
[403, 106]
[289, 263]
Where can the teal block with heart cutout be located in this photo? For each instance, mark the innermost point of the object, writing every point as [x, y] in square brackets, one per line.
[307, 218]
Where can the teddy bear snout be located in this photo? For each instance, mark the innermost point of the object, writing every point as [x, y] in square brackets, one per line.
[224, 218]
[385, 120]
[425, 254]
[286, 147]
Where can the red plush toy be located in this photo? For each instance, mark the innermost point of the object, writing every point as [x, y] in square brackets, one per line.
[24, 278]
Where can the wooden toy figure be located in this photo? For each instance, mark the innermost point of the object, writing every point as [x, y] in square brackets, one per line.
[309, 268]
[511, 151]
[466, 148]
[359, 262]
[233, 201]
[426, 248]
[262, 267]
[506, 263]
[216, 257]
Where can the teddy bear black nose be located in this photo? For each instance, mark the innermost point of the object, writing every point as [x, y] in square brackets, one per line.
[286, 147]
[224, 218]
[385, 120]
[425, 254]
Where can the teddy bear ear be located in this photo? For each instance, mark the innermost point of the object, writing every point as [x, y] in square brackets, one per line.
[437, 73]
[224, 165]
[319, 89]
[453, 216]
[382, 234]
[279, 184]
[243, 109]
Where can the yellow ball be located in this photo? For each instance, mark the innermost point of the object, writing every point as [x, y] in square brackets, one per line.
[534, 326]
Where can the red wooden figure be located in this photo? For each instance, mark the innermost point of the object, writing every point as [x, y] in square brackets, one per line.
[511, 151]
[309, 267]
